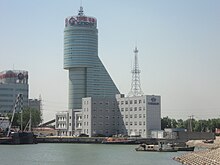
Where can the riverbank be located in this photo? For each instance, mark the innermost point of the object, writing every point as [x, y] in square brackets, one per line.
[98, 140]
[201, 144]
[69, 139]
[208, 153]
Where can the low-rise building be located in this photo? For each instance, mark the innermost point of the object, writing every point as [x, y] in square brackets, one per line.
[62, 123]
[35, 104]
[130, 116]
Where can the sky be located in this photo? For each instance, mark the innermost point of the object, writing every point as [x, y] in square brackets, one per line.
[178, 43]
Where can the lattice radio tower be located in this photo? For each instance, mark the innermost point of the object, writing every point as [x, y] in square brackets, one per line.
[135, 82]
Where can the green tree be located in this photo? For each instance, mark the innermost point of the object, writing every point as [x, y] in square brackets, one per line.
[166, 123]
[36, 117]
[180, 123]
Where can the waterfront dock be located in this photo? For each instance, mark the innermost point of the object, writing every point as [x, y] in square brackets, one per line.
[207, 157]
[208, 154]
[92, 140]
[69, 139]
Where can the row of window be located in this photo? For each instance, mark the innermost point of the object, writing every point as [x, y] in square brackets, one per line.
[131, 102]
[131, 109]
[122, 116]
[135, 116]
[6, 95]
[135, 123]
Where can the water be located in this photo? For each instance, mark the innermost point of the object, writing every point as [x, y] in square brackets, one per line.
[81, 154]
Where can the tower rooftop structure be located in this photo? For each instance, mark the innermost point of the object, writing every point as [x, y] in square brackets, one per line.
[135, 82]
[87, 75]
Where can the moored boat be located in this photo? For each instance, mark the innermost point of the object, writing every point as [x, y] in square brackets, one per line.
[187, 148]
[118, 141]
[155, 148]
[18, 136]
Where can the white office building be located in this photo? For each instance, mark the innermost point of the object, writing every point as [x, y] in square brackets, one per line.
[140, 114]
[131, 116]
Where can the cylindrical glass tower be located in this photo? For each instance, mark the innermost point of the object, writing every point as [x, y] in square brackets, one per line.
[87, 75]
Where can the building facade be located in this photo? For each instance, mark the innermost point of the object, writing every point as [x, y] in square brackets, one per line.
[62, 123]
[12, 83]
[120, 115]
[35, 104]
[99, 116]
[87, 75]
[140, 115]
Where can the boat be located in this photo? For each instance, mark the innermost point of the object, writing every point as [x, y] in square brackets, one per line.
[187, 148]
[155, 148]
[18, 136]
[111, 140]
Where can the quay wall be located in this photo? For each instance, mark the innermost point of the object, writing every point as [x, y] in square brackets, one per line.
[66, 139]
[195, 136]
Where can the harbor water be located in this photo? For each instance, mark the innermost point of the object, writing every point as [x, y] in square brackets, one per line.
[82, 154]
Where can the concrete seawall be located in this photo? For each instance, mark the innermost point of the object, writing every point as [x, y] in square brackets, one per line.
[98, 140]
[65, 139]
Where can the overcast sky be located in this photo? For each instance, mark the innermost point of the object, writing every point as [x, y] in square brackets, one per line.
[178, 42]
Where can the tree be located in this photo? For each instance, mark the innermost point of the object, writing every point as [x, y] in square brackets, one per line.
[36, 117]
[180, 123]
[166, 123]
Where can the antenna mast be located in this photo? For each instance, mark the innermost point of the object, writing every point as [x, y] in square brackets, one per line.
[81, 12]
[135, 82]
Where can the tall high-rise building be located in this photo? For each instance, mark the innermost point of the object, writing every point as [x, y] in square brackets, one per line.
[87, 75]
[12, 83]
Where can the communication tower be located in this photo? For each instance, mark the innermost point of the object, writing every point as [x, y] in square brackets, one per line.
[135, 82]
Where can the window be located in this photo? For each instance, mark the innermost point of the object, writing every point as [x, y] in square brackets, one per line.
[143, 115]
[135, 101]
[131, 109]
[131, 116]
[126, 109]
[135, 108]
[139, 101]
[135, 115]
[140, 116]
[126, 116]
[131, 101]
[126, 102]
[122, 109]
[140, 108]
[126, 123]
[122, 102]
[135, 123]
[131, 123]
[140, 123]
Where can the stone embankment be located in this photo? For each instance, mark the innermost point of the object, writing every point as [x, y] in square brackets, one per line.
[207, 153]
